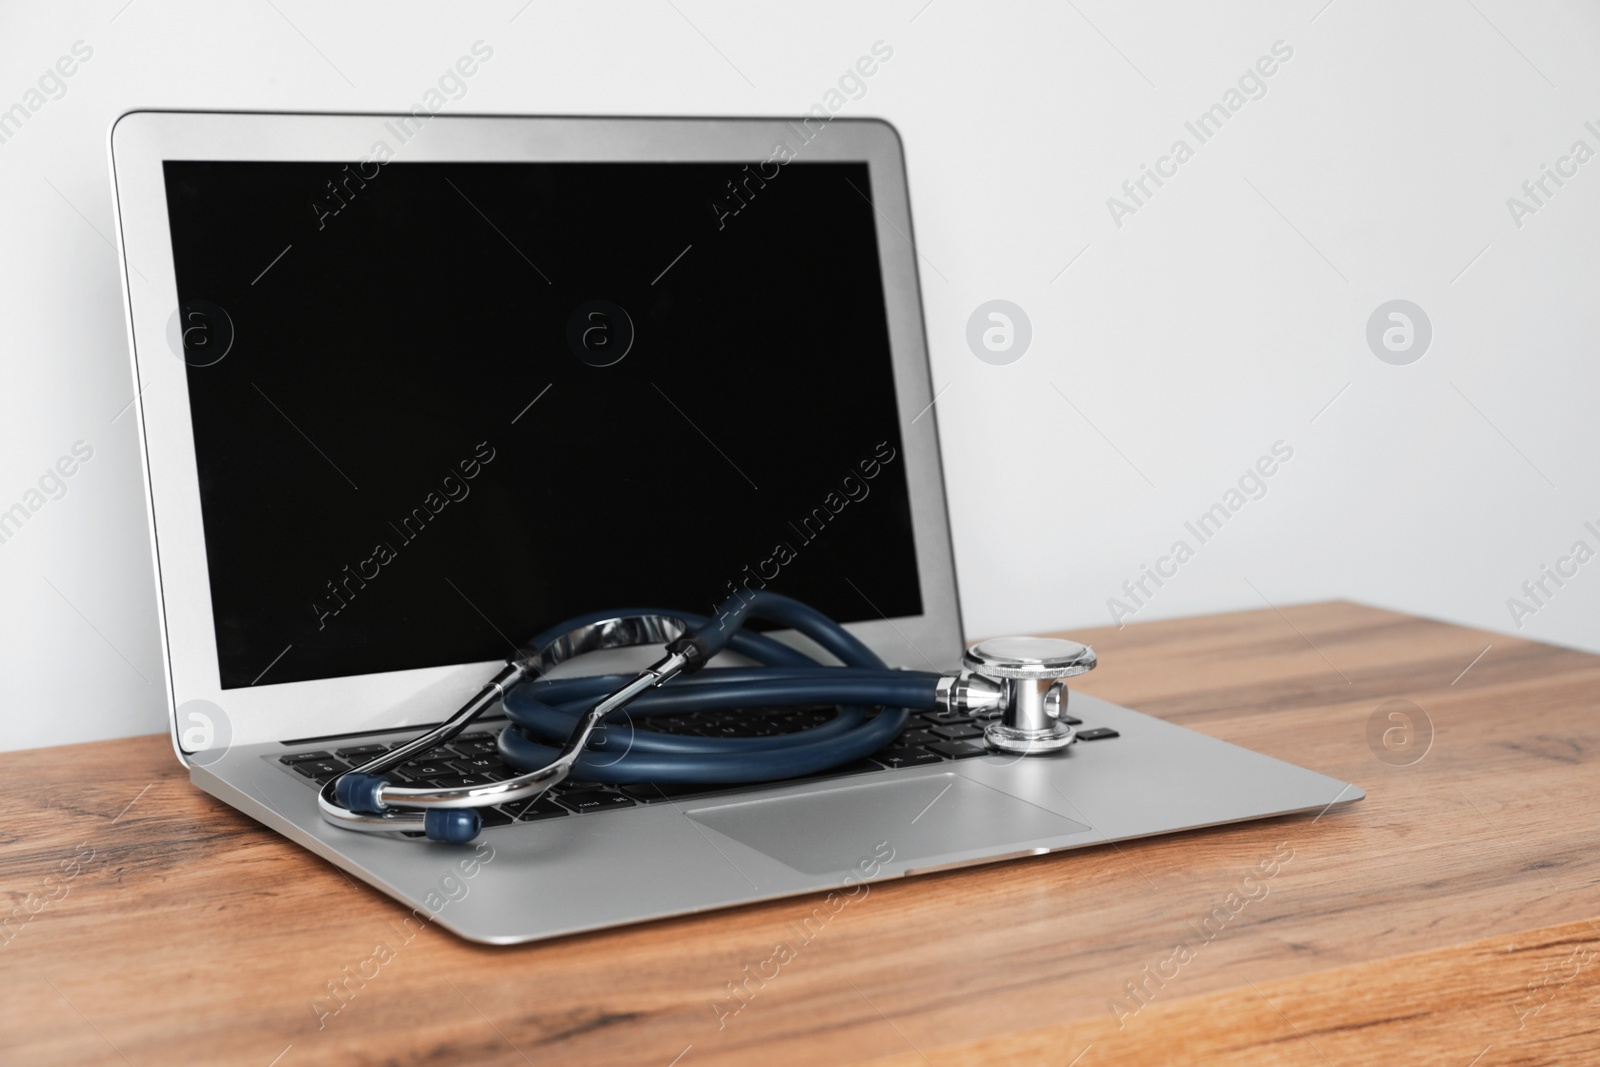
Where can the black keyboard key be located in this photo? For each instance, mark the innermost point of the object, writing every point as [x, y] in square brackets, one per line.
[914, 737]
[963, 732]
[425, 768]
[536, 809]
[321, 771]
[451, 780]
[495, 817]
[498, 772]
[946, 718]
[301, 757]
[1099, 733]
[481, 765]
[906, 757]
[361, 753]
[957, 749]
[1070, 720]
[588, 800]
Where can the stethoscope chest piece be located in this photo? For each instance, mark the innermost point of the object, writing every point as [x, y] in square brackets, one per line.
[1032, 673]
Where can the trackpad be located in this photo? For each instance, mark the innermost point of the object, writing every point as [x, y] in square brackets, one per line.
[925, 820]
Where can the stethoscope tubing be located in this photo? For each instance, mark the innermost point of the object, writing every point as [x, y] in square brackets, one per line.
[533, 709]
[572, 713]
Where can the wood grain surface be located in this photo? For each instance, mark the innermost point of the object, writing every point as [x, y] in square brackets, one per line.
[1453, 916]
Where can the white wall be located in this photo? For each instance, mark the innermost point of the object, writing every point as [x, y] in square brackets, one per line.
[1220, 318]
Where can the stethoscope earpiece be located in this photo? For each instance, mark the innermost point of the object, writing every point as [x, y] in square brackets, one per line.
[454, 826]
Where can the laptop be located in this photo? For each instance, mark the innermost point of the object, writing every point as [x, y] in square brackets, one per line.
[413, 388]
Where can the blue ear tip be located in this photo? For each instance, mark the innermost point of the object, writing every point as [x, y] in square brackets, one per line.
[454, 825]
[359, 792]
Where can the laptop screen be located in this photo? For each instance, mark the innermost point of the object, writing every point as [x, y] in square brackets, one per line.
[440, 407]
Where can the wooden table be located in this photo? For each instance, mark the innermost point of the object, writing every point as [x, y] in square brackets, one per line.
[1453, 916]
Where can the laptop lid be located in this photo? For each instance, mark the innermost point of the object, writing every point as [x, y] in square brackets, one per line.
[413, 389]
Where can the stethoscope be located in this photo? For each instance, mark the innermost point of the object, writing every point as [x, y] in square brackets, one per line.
[554, 721]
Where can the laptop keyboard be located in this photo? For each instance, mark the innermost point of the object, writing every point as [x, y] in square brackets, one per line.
[473, 758]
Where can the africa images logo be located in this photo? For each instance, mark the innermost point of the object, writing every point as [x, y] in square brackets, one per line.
[999, 332]
[1399, 332]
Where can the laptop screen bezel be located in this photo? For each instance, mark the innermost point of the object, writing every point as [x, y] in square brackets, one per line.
[139, 144]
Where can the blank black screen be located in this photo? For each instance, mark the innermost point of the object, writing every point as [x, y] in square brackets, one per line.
[418, 446]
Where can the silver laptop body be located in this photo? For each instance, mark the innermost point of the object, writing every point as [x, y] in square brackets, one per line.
[412, 388]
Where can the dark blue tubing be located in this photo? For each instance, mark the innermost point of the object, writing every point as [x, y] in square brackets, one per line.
[545, 712]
